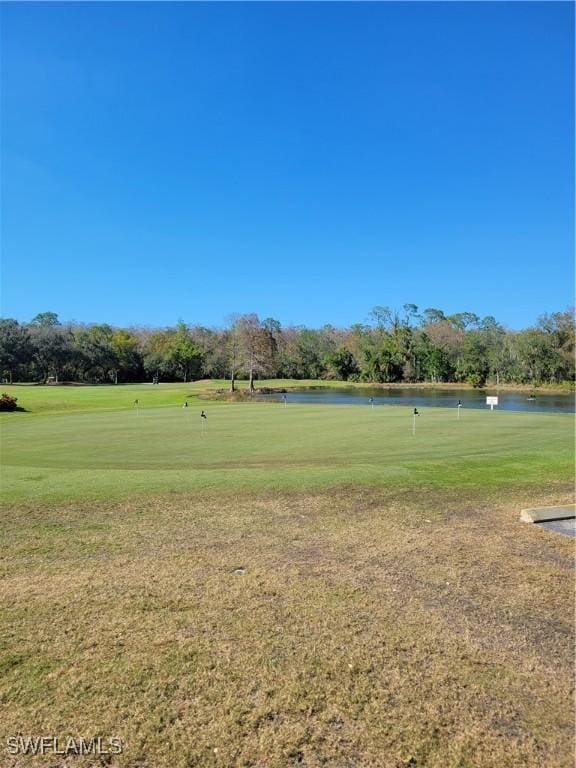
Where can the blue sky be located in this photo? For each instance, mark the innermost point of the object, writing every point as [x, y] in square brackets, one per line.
[305, 161]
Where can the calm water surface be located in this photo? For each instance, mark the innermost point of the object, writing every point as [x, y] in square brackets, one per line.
[412, 396]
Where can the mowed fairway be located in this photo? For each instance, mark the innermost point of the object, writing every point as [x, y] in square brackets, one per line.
[301, 586]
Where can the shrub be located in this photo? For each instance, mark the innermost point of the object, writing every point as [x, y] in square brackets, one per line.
[478, 380]
[8, 403]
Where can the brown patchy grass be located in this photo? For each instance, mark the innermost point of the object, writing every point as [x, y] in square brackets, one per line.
[352, 629]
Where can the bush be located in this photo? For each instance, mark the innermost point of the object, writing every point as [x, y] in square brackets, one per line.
[8, 403]
[478, 380]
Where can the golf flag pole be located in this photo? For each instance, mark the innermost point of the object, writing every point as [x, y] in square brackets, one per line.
[136, 405]
[414, 420]
[203, 418]
[459, 407]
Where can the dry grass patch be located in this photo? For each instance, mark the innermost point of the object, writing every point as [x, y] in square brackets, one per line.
[348, 629]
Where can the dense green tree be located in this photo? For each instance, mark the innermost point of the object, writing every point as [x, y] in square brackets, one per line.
[127, 355]
[432, 315]
[52, 349]
[473, 362]
[183, 353]
[101, 358]
[396, 346]
[463, 320]
[155, 354]
[213, 352]
[45, 319]
[341, 364]
[309, 355]
[15, 347]
[560, 330]
[436, 363]
[538, 358]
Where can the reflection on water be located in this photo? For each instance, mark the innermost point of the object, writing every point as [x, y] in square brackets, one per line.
[507, 400]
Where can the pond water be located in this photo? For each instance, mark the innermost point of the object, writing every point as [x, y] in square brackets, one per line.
[412, 396]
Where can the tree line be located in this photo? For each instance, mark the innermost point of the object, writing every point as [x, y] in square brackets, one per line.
[394, 346]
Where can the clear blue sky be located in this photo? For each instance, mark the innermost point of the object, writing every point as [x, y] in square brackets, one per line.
[305, 161]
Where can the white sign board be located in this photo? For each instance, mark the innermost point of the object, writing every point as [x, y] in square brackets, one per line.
[491, 401]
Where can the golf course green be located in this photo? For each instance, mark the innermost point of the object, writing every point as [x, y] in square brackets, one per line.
[99, 454]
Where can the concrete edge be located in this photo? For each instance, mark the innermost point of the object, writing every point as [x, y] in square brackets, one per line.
[543, 514]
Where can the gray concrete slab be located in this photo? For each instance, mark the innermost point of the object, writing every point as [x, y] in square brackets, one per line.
[545, 514]
[567, 527]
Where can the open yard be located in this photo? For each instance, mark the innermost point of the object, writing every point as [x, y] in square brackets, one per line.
[302, 586]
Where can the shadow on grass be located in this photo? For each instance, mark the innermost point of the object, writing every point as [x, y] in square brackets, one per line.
[18, 409]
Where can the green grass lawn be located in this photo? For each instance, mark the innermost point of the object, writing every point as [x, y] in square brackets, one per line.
[50, 399]
[37, 399]
[264, 445]
[309, 586]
